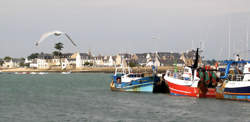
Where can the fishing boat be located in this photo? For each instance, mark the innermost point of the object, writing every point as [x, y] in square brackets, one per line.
[236, 85]
[191, 82]
[125, 80]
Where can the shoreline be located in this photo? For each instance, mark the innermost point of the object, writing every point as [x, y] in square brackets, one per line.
[161, 69]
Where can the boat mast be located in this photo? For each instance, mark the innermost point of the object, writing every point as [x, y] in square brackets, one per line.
[247, 38]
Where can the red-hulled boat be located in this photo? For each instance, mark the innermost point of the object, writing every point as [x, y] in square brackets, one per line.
[184, 86]
[189, 84]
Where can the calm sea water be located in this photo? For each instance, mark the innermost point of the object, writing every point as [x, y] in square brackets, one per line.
[87, 97]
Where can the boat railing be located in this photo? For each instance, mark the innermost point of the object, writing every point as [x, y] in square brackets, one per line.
[235, 77]
[123, 70]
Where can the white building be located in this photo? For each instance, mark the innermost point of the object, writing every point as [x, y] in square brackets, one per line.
[109, 61]
[82, 58]
[34, 64]
[43, 61]
[153, 59]
[78, 61]
[42, 64]
[12, 63]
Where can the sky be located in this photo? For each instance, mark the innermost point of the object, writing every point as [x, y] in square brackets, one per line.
[109, 27]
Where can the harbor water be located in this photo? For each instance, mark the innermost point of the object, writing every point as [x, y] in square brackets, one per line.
[81, 97]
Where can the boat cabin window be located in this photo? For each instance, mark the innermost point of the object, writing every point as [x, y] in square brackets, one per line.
[135, 75]
[186, 70]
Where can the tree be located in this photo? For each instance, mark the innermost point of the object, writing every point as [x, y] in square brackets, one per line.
[57, 53]
[86, 63]
[22, 64]
[1, 63]
[7, 58]
[59, 47]
[132, 64]
[33, 56]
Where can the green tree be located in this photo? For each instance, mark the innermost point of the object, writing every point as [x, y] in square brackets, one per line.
[33, 56]
[86, 63]
[22, 64]
[1, 63]
[7, 58]
[58, 47]
[56, 53]
[132, 64]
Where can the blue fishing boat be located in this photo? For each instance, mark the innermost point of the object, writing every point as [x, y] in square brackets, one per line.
[236, 85]
[125, 80]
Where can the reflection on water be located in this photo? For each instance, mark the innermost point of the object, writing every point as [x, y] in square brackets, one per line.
[87, 97]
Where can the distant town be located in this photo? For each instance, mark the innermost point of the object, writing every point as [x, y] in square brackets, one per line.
[80, 60]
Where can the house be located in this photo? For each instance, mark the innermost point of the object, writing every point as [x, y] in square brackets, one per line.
[140, 58]
[33, 63]
[109, 61]
[153, 59]
[82, 58]
[67, 61]
[12, 63]
[44, 61]
[169, 58]
[157, 59]
[118, 60]
[99, 61]
[27, 61]
[149, 60]
[122, 56]
[188, 58]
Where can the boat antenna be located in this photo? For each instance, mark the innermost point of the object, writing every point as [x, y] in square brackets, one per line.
[195, 65]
